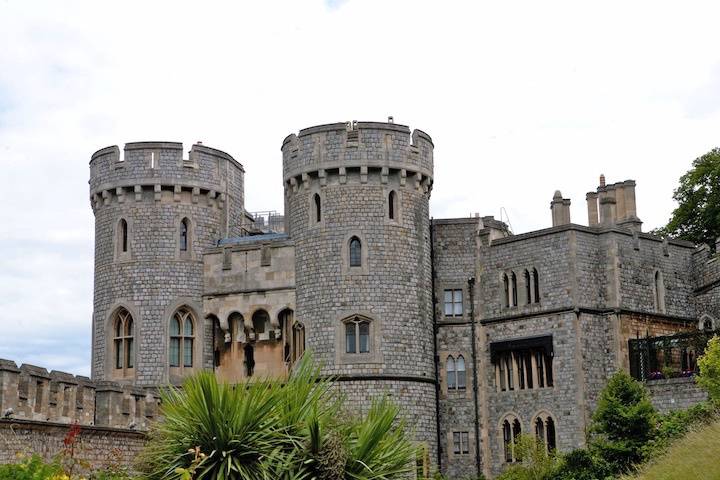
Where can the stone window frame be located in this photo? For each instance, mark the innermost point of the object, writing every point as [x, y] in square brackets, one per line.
[704, 318]
[312, 221]
[364, 268]
[397, 206]
[547, 418]
[513, 419]
[659, 291]
[181, 318]
[450, 440]
[111, 373]
[176, 374]
[374, 355]
[511, 374]
[440, 293]
[445, 391]
[120, 255]
[255, 336]
[188, 254]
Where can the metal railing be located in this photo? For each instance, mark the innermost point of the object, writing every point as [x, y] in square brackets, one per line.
[655, 358]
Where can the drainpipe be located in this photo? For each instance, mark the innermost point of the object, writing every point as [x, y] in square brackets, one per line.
[435, 349]
[471, 293]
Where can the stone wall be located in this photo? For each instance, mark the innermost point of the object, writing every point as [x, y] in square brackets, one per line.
[100, 447]
[152, 189]
[675, 393]
[31, 393]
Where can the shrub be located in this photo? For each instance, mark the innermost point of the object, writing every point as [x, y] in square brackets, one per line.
[624, 421]
[32, 468]
[582, 464]
[709, 364]
[535, 462]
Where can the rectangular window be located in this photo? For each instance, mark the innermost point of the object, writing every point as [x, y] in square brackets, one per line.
[174, 352]
[540, 362]
[349, 338]
[521, 370]
[118, 354]
[130, 355]
[461, 443]
[453, 301]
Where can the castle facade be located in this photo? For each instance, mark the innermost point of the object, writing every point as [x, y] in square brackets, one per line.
[479, 334]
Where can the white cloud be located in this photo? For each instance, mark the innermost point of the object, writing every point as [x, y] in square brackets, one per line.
[521, 98]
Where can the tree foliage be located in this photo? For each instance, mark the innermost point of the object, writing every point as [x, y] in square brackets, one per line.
[623, 422]
[697, 217]
[268, 429]
[709, 364]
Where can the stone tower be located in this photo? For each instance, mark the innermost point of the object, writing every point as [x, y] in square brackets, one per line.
[356, 199]
[155, 213]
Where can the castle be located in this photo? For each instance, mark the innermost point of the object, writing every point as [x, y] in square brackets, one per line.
[478, 334]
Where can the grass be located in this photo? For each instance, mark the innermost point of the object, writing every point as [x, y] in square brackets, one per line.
[694, 456]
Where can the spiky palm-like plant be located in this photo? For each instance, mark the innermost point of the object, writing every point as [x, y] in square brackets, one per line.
[267, 429]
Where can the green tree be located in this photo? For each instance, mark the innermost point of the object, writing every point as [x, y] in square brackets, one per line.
[697, 217]
[535, 462]
[709, 364]
[267, 429]
[623, 422]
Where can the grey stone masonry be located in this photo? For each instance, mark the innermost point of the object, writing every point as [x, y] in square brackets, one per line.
[142, 202]
[369, 183]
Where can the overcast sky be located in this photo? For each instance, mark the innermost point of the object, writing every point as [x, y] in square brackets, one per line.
[520, 98]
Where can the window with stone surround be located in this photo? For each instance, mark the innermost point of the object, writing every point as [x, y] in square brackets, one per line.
[659, 292]
[513, 288]
[506, 291]
[122, 240]
[545, 431]
[522, 364]
[355, 252]
[536, 286]
[357, 335]
[528, 287]
[261, 325]
[182, 337]
[184, 235]
[453, 301]
[511, 430]
[392, 204]
[123, 342]
[317, 208]
[123, 235]
[461, 443]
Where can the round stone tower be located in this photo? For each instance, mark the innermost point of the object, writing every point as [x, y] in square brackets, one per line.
[356, 200]
[155, 213]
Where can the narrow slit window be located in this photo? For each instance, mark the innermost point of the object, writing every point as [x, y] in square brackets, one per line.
[513, 281]
[123, 236]
[506, 291]
[451, 378]
[391, 204]
[528, 288]
[318, 208]
[460, 365]
[355, 252]
[184, 235]
[536, 285]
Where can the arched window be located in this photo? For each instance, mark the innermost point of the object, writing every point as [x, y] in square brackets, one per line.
[184, 235]
[355, 252]
[392, 206]
[545, 431]
[357, 335]
[659, 292]
[298, 341]
[261, 324]
[707, 323]
[513, 281]
[182, 337]
[318, 209]
[451, 377]
[460, 372]
[536, 285]
[528, 288]
[506, 291]
[123, 344]
[511, 431]
[123, 236]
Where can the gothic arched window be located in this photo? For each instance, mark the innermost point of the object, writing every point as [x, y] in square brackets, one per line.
[451, 377]
[123, 235]
[184, 235]
[355, 252]
[392, 204]
[460, 369]
[182, 337]
[528, 288]
[318, 208]
[536, 285]
[513, 282]
[506, 290]
[123, 340]
[357, 335]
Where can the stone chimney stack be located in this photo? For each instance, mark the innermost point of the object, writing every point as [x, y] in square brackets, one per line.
[613, 205]
[560, 208]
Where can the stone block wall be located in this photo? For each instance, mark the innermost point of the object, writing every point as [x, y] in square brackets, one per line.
[706, 275]
[100, 447]
[675, 393]
[153, 189]
[31, 393]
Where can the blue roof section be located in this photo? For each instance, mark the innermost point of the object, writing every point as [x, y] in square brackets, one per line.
[252, 239]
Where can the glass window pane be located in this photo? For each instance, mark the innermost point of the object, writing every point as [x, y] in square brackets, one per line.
[458, 307]
[364, 337]
[118, 354]
[174, 352]
[188, 326]
[461, 372]
[465, 440]
[350, 337]
[129, 326]
[457, 296]
[456, 443]
[130, 353]
[174, 326]
[355, 253]
[187, 352]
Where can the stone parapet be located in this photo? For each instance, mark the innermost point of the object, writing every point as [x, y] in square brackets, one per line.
[31, 393]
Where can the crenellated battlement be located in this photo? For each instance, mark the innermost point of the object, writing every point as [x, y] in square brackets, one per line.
[30, 392]
[161, 163]
[385, 149]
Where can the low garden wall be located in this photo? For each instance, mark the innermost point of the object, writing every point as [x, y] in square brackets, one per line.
[675, 393]
[98, 447]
